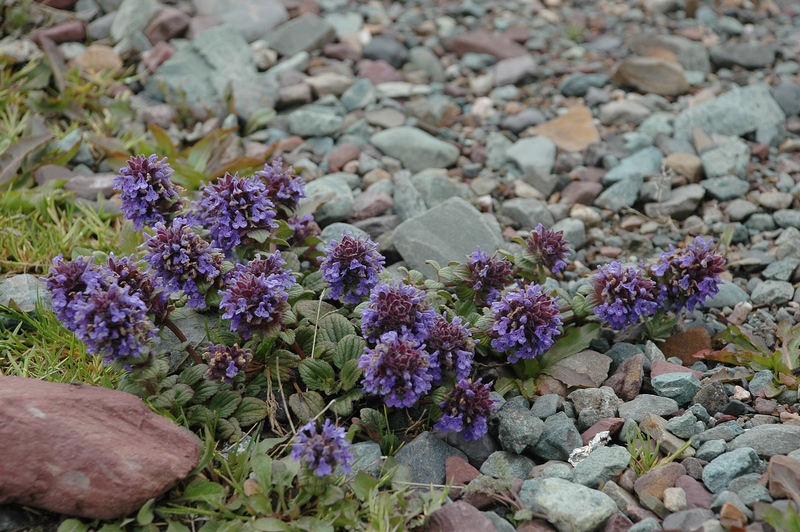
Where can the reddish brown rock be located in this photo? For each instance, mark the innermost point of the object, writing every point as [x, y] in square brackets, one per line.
[459, 473]
[658, 479]
[652, 75]
[98, 58]
[370, 204]
[58, 4]
[697, 496]
[583, 192]
[618, 523]
[341, 51]
[86, 451]
[343, 153]
[783, 473]
[482, 42]
[169, 22]
[686, 344]
[627, 380]
[156, 56]
[70, 31]
[459, 516]
[572, 131]
[535, 525]
[660, 367]
[378, 71]
[611, 424]
[685, 164]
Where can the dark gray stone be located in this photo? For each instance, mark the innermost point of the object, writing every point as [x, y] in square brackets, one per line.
[648, 404]
[548, 496]
[518, 428]
[557, 438]
[680, 386]
[425, 456]
[305, 33]
[602, 464]
[388, 49]
[502, 464]
[769, 440]
[720, 471]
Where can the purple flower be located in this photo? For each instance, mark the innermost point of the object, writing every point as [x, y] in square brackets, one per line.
[224, 362]
[183, 261]
[284, 188]
[304, 227]
[625, 294]
[397, 307]
[467, 409]
[549, 248]
[148, 195]
[398, 368]
[351, 268]
[687, 276]
[450, 345]
[488, 276]
[113, 323]
[270, 265]
[70, 281]
[525, 322]
[127, 272]
[324, 450]
[255, 300]
[233, 207]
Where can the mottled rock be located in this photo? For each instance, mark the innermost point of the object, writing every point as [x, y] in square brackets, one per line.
[426, 456]
[721, 470]
[572, 131]
[459, 516]
[414, 148]
[655, 481]
[652, 75]
[769, 440]
[547, 495]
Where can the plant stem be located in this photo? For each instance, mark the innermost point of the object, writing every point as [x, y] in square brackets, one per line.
[182, 337]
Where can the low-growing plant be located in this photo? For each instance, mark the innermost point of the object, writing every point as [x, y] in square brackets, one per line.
[645, 454]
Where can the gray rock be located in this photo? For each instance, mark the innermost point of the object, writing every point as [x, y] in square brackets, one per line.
[546, 405]
[711, 449]
[360, 94]
[414, 148]
[772, 293]
[601, 400]
[623, 112]
[367, 457]
[730, 156]
[497, 146]
[720, 471]
[24, 290]
[642, 163]
[750, 55]
[513, 70]
[682, 203]
[724, 431]
[478, 451]
[729, 496]
[577, 84]
[787, 218]
[516, 123]
[448, 232]
[535, 156]
[557, 470]
[760, 380]
[518, 428]
[408, 202]
[648, 404]
[725, 188]
[339, 198]
[424, 59]
[711, 398]
[502, 464]
[781, 270]
[435, 188]
[388, 49]
[307, 32]
[547, 496]
[620, 352]
[649, 524]
[769, 440]
[602, 464]
[528, 212]
[621, 194]
[425, 456]
[195, 327]
[314, 122]
[499, 523]
[684, 426]
[680, 386]
[252, 19]
[687, 519]
[739, 210]
[728, 296]
[132, 17]
[558, 438]
[336, 230]
[739, 111]
[787, 94]
[574, 232]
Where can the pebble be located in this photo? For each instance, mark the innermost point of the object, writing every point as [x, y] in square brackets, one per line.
[648, 404]
[415, 149]
[425, 456]
[727, 466]
[547, 495]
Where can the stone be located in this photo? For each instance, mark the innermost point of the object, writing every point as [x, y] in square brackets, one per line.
[729, 295]
[642, 163]
[557, 438]
[684, 345]
[482, 42]
[169, 22]
[336, 197]
[721, 470]
[687, 519]
[370, 204]
[784, 476]
[726, 431]
[501, 464]
[528, 212]
[425, 456]
[547, 496]
[458, 516]
[546, 405]
[329, 83]
[749, 55]
[734, 113]
[387, 49]
[436, 188]
[601, 465]
[578, 83]
[655, 481]
[478, 451]
[572, 131]
[684, 426]
[24, 290]
[675, 499]
[687, 165]
[679, 386]
[652, 75]
[582, 192]
[769, 440]
[305, 33]
[622, 194]
[602, 400]
[70, 31]
[514, 70]
[114, 453]
[447, 232]
[622, 351]
[682, 203]
[730, 156]
[711, 449]
[88, 186]
[692, 55]
[610, 425]
[697, 496]
[518, 122]
[574, 231]
[648, 404]
[623, 112]
[535, 156]
[132, 17]
[252, 19]
[367, 457]
[787, 94]
[712, 397]
[314, 123]
[772, 293]
[97, 58]
[416, 149]
[518, 428]
[500, 524]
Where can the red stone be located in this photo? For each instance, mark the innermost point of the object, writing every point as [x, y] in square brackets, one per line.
[70, 31]
[341, 51]
[169, 22]
[86, 451]
[378, 71]
[583, 192]
[686, 344]
[618, 523]
[482, 42]
[611, 424]
[58, 4]
[697, 496]
[784, 475]
[156, 56]
[627, 380]
[658, 479]
[660, 367]
[458, 516]
[343, 153]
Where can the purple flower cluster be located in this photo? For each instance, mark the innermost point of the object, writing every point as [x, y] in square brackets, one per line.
[688, 275]
[549, 248]
[304, 227]
[255, 298]
[283, 188]
[398, 368]
[183, 261]
[224, 362]
[233, 207]
[70, 281]
[351, 268]
[488, 276]
[467, 409]
[324, 450]
[525, 321]
[148, 195]
[398, 308]
[451, 346]
[624, 295]
[128, 272]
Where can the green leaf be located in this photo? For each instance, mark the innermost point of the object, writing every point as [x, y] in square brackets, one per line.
[204, 390]
[72, 525]
[250, 411]
[313, 309]
[287, 336]
[164, 401]
[259, 235]
[313, 281]
[306, 405]
[575, 341]
[259, 120]
[192, 374]
[224, 403]
[145, 515]
[262, 468]
[432, 284]
[282, 360]
[343, 405]
[164, 144]
[201, 490]
[363, 485]
[270, 524]
[13, 157]
[176, 526]
[200, 415]
[183, 393]
[332, 495]
[334, 327]
[349, 374]
[351, 347]
[318, 375]
[129, 239]
[228, 429]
